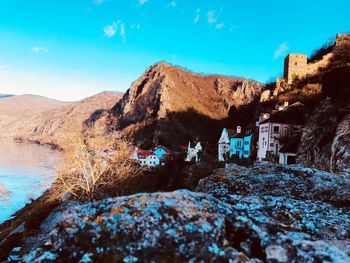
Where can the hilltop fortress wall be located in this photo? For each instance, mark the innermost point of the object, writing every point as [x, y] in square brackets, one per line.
[297, 66]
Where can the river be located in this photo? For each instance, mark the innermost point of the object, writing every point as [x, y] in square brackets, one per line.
[26, 171]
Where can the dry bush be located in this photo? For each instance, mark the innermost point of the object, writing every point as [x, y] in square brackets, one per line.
[95, 166]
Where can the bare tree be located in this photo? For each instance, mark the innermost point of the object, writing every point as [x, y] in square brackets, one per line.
[95, 166]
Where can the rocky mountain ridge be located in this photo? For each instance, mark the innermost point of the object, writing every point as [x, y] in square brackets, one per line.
[163, 103]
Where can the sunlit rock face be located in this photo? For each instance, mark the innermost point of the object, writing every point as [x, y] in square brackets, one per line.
[265, 213]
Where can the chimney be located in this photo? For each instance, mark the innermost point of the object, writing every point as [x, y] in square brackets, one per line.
[239, 129]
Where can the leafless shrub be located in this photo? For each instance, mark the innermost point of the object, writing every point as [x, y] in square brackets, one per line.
[95, 166]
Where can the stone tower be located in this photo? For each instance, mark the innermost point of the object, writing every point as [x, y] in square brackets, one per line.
[342, 45]
[342, 40]
[295, 65]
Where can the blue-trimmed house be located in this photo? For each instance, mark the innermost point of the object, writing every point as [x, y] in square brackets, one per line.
[240, 143]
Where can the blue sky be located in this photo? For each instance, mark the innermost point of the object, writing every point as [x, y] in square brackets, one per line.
[70, 49]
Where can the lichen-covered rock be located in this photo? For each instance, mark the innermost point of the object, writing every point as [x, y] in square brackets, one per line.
[163, 227]
[183, 226]
[294, 181]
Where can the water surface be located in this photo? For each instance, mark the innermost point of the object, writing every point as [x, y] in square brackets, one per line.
[26, 170]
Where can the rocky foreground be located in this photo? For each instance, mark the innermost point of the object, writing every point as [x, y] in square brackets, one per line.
[265, 213]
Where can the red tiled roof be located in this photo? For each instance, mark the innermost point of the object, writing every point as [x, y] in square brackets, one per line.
[144, 153]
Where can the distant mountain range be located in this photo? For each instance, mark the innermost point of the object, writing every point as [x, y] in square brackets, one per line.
[43, 120]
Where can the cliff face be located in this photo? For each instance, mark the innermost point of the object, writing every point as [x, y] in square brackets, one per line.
[168, 94]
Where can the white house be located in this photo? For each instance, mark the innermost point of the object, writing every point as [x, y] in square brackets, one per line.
[194, 152]
[145, 158]
[277, 130]
[224, 143]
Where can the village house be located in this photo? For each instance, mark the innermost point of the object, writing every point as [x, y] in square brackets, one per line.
[287, 153]
[194, 152]
[146, 158]
[161, 151]
[277, 130]
[224, 143]
[160, 156]
[234, 142]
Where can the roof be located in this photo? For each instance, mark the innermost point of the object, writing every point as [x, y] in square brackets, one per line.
[239, 135]
[231, 132]
[164, 148]
[291, 146]
[144, 153]
[293, 114]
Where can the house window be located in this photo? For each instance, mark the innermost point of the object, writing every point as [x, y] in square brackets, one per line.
[276, 129]
[271, 144]
[246, 142]
[296, 129]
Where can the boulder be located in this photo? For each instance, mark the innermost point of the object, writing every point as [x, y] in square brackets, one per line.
[267, 179]
[265, 96]
[222, 224]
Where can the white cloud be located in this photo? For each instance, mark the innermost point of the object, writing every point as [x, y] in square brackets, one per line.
[219, 26]
[281, 50]
[142, 2]
[122, 32]
[211, 16]
[39, 49]
[115, 27]
[172, 4]
[3, 66]
[100, 2]
[198, 15]
[110, 30]
[135, 26]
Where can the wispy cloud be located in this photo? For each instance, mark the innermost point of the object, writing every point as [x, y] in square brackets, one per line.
[172, 4]
[122, 32]
[135, 26]
[219, 25]
[197, 16]
[110, 30]
[3, 66]
[211, 16]
[100, 2]
[114, 28]
[281, 50]
[142, 2]
[39, 49]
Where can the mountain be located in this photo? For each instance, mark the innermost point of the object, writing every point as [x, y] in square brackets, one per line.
[170, 105]
[17, 111]
[41, 121]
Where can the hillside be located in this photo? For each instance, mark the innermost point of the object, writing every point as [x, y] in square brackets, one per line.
[16, 112]
[47, 125]
[325, 139]
[169, 105]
